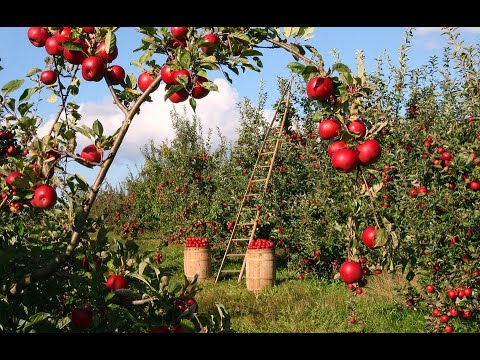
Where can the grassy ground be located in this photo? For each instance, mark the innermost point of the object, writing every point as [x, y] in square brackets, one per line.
[309, 306]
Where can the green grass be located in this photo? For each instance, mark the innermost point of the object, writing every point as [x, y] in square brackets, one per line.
[309, 306]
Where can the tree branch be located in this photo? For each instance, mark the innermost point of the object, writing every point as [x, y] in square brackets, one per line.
[53, 265]
[293, 52]
[64, 101]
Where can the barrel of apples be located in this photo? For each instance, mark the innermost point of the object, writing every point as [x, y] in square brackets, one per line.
[260, 268]
[197, 258]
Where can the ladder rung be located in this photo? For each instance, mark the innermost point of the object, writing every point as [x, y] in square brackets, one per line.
[249, 209]
[249, 223]
[252, 194]
[235, 255]
[241, 239]
[267, 153]
[230, 271]
[258, 180]
[263, 166]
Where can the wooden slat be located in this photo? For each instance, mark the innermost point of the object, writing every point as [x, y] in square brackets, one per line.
[230, 271]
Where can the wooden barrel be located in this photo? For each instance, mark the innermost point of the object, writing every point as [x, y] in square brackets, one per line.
[260, 268]
[197, 260]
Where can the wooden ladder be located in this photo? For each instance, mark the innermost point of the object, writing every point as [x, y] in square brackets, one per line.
[258, 176]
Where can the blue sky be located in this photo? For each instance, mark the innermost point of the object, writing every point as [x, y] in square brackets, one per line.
[18, 56]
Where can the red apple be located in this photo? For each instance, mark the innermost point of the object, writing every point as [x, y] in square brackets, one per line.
[319, 88]
[329, 128]
[101, 53]
[82, 317]
[91, 153]
[344, 160]
[198, 91]
[88, 29]
[93, 68]
[53, 47]
[144, 81]
[16, 176]
[358, 128]
[430, 289]
[44, 197]
[162, 329]
[115, 282]
[213, 40]
[179, 32]
[413, 192]
[178, 96]
[351, 271]
[368, 236]
[48, 77]
[167, 75]
[336, 145]
[115, 74]
[37, 36]
[474, 185]
[76, 57]
[467, 291]
[369, 152]
[446, 156]
[63, 34]
[180, 72]
[452, 294]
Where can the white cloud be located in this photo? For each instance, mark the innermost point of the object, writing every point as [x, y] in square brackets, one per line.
[428, 30]
[218, 109]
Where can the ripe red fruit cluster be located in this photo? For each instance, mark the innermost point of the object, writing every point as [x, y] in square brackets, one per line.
[115, 282]
[260, 244]
[345, 157]
[92, 57]
[196, 242]
[8, 144]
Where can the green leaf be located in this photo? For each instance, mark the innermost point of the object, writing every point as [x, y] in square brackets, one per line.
[141, 267]
[33, 71]
[137, 64]
[97, 128]
[241, 36]
[341, 68]
[72, 46]
[82, 182]
[172, 89]
[193, 103]
[144, 279]
[27, 93]
[251, 53]
[309, 71]
[185, 59]
[23, 108]
[296, 67]
[209, 86]
[380, 237]
[12, 86]
[110, 42]
[36, 318]
[131, 81]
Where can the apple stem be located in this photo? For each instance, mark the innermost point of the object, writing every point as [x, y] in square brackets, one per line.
[371, 202]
